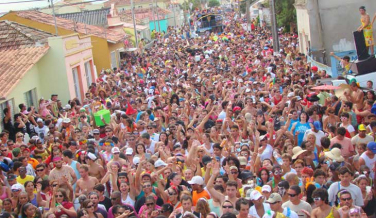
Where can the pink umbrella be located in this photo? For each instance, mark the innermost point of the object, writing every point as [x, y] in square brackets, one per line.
[326, 87]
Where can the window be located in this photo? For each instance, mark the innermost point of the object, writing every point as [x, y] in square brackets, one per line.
[76, 83]
[31, 98]
[3, 105]
[89, 77]
[113, 60]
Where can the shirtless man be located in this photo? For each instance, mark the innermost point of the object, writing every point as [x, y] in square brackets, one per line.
[95, 169]
[231, 188]
[61, 171]
[116, 158]
[86, 183]
[356, 96]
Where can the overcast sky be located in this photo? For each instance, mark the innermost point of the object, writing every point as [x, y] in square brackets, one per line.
[24, 5]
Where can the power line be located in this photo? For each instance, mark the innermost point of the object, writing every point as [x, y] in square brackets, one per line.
[25, 1]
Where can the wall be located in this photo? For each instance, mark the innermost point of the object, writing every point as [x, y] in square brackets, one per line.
[339, 19]
[162, 23]
[27, 83]
[78, 51]
[115, 47]
[52, 71]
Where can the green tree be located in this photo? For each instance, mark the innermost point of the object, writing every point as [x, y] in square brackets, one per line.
[196, 4]
[285, 13]
[213, 3]
[243, 6]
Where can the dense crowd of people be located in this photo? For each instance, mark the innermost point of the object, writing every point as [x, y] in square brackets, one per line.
[214, 126]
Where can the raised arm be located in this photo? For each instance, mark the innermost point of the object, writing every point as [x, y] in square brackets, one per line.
[214, 193]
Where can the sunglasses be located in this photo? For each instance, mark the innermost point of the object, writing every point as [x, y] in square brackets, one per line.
[146, 186]
[234, 172]
[4, 150]
[58, 196]
[292, 195]
[171, 194]
[15, 190]
[149, 204]
[346, 199]
[20, 136]
[317, 199]
[113, 199]
[96, 134]
[90, 206]
[227, 206]
[40, 170]
[54, 185]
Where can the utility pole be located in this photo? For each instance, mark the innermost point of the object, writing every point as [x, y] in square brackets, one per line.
[247, 15]
[173, 10]
[84, 19]
[152, 8]
[156, 8]
[134, 23]
[274, 26]
[53, 14]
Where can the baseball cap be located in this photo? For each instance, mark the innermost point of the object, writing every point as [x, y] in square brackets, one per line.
[317, 125]
[17, 187]
[362, 127]
[96, 131]
[129, 151]
[91, 156]
[196, 180]
[372, 146]
[136, 160]
[233, 168]
[266, 188]
[206, 159]
[254, 194]
[39, 120]
[11, 177]
[160, 163]
[115, 150]
[242, 160]
[66, 120]
[273, 198]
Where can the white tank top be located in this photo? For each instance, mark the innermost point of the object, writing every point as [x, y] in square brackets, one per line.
[369, 162]
[128, 200]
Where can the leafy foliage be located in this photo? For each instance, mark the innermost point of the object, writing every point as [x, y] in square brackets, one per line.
[213, 3]
[285, 12]
[243, 6]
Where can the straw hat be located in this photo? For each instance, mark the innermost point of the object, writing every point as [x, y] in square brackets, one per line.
[297, 151]
[335, 154]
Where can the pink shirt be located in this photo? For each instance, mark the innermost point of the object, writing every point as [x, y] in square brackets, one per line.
[347, 147]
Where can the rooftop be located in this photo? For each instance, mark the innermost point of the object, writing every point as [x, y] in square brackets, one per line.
[78, 27]
[14, 35]
[91, 17]
[15, 63]
[128, 2]
[143, 13]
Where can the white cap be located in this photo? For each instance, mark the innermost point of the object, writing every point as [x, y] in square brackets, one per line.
[39, 120]
[197, 180]
[136, 160]
[291, 94]
[66, 120]
[18, 187]
[129, 151]
[160, 163]
[115, 150]
[248, 117]
[266, 188]
[255, 195]
[67, 107]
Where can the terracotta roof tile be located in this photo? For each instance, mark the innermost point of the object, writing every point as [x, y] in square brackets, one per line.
[128, 2]
[15, 63]
[14, 35]
[101, 32]
[142, 13]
